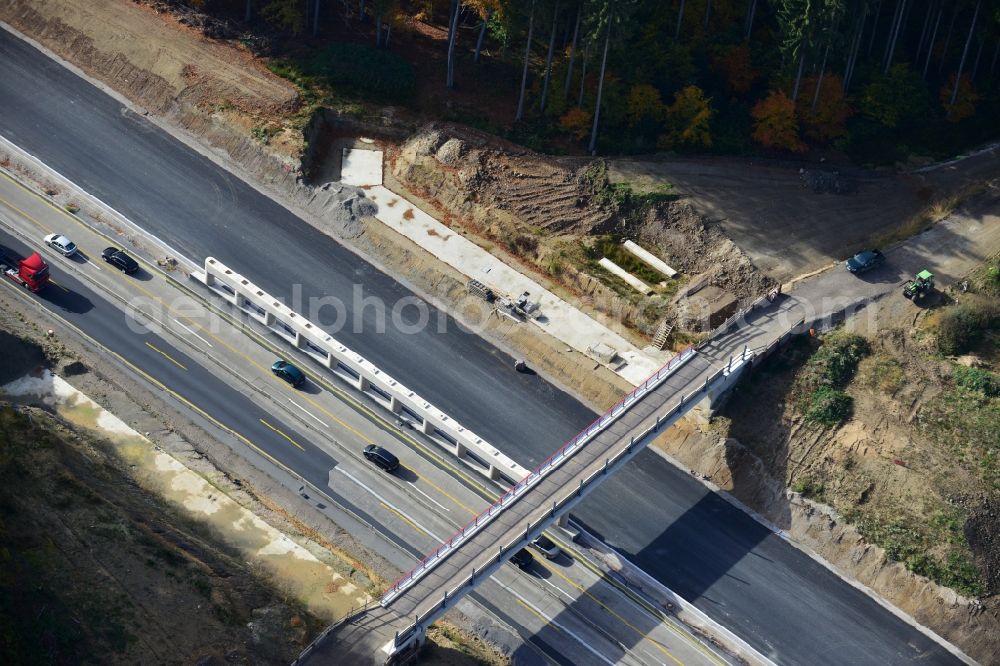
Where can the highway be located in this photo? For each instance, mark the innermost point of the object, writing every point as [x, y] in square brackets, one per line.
[220, 372]
[766, 591]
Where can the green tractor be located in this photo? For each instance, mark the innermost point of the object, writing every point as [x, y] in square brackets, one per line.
[918, 286]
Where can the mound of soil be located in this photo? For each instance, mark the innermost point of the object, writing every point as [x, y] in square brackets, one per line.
[19, 357]
[545, 210]
[137, 52]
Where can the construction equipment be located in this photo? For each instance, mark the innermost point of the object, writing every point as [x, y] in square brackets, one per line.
[31, 273]
[918, 286]
[479, 289]
[518, 309]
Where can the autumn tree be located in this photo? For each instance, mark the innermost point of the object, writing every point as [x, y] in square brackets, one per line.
[284, 15]
[961, 105]
[894, 98]
[689, 121]
[644, 104]
[775, 124]
[577, 122]
[823, 117]
[736, 68]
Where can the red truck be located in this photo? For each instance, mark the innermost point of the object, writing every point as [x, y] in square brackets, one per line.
[31, 273]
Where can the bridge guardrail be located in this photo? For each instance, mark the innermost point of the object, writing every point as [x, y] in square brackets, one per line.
[532, 477]
[575, 495]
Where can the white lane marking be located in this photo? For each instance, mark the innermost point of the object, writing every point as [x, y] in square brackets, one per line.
[429, 497]
[308, 413]
[560, 627]
[388, 503]
[558, 589]
[192, 332]
[91, 263]
[649, 659]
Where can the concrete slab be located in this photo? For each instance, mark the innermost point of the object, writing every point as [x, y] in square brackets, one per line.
[558, 318]
[361, 168]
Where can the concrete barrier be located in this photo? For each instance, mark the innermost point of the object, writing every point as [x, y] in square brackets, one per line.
[358, 372]
[618, 271]
[649, 258]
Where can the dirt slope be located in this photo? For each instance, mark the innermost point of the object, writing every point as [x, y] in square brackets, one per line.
[557, 216]
[791, 219]
[98, 570]
[202, 72]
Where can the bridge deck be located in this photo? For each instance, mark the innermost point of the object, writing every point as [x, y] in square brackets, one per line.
[366, 635]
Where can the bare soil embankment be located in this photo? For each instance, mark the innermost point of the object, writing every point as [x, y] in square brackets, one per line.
[903, 494]
[556, 217]
[99, 570]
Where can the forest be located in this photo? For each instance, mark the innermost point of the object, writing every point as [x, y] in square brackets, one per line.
[876, 81]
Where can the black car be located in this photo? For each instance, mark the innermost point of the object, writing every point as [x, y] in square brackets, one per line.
[120, 260]
[864, 261]
[291, 374]
[381, 457]
[522, 559]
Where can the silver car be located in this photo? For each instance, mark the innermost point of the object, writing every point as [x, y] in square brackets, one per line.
[61, 244]
[546, 547]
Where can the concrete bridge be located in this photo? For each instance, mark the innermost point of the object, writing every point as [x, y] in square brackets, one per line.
[392, 630]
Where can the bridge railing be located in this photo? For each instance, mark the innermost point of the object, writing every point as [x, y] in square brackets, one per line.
[518, 489]
[564, 504]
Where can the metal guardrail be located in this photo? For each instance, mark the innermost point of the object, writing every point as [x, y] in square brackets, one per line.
[740, 314]
[610, 464]
[553, 461]
[337, 624]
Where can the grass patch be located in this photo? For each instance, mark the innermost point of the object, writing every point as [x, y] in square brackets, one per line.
[939, 552]
[960, 327]
[965, 422]
[978, 380]
[986, 280]
[808, 487]
[620, 196]
[818, 386]
[882, 372]
[829, 406]
[610, 247]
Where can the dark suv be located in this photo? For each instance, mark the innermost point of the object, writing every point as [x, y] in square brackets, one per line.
[522, 559]
[381, 457]
[120, 260]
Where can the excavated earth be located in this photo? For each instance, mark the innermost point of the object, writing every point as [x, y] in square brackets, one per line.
[536, 210]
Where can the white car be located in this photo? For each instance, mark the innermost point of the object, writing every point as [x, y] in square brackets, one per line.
[61, 244]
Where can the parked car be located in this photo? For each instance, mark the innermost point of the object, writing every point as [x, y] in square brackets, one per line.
[544, 545]
[120, 260]
[291, 374]
[522, 559]
[61, 244]
[865, 261]
[381, 457]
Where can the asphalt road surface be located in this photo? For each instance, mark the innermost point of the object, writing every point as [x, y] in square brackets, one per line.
[766, 591]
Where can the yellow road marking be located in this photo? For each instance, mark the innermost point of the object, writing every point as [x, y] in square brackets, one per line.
[51, 281]
[541, 617]
[404, 518]
[447, 494]
[21, 212]
[294, 443]
[473, 483]
[174, 394]
[621, 619]
[166, 355]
